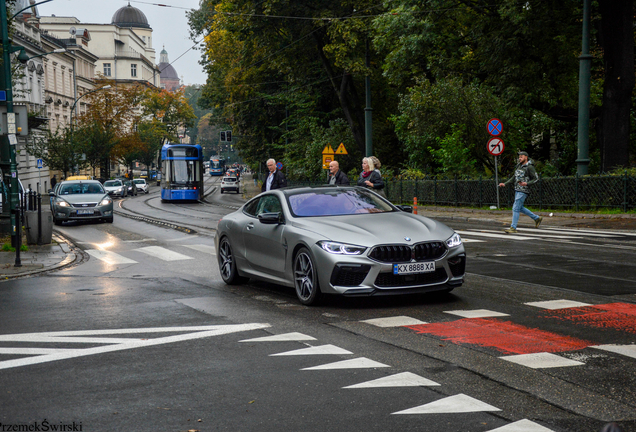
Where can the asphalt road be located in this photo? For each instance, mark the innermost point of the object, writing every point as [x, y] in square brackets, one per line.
[143, 335]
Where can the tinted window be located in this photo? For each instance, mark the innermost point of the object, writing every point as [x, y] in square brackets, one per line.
[112, 183]
[250, 207]
[335, 202]
[183, 152]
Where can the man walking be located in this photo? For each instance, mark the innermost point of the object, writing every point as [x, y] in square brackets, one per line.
[275, 180]
[524, 175]
[337, 177]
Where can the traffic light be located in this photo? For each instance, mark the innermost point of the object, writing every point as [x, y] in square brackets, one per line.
[223, 137]
[229, 135]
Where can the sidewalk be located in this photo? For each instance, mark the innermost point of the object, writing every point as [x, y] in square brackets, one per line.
[38, 259]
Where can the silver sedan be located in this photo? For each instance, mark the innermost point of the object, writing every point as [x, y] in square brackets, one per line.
[338, 240]
[80, 200]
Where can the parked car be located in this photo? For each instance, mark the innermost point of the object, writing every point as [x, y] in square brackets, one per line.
[230, 184]
[80, 200]
[338, 240]
[233, 172]
[141, 184]
[116, 188]
[132, 187]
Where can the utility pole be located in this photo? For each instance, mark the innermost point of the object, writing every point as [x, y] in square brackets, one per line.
[583, 160]
[368, 111]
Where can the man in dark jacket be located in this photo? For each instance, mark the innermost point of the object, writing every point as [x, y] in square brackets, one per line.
[524, 175]
[275, 180]
[336, 176]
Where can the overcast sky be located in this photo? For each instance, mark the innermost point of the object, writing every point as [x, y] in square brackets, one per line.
[169, 27]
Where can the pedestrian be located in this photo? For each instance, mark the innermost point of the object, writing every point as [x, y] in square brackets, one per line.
[370, 177]
[53, 181]
[524, 175]
[276, 179]
[336, 176]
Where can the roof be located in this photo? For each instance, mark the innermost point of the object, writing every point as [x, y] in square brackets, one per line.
[130, 16]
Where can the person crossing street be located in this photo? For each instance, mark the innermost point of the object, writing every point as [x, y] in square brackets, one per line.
[524, 175]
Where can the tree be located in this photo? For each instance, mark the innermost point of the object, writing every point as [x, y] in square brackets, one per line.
[57, 151]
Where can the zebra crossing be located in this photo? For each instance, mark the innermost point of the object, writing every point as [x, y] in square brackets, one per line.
[132, 256]
[546, 234]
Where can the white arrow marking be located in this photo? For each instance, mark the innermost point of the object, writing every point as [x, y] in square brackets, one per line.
[524, 425]
[196, 333]
[358, 363]
[454, 404]
[281, 338]
[317, 350]
[405, 379]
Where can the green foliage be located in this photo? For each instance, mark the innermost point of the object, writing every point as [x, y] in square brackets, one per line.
[57, 150]
[451, 154]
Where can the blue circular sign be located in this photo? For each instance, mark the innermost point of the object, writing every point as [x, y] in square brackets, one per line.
[279, 165]
[495, 127]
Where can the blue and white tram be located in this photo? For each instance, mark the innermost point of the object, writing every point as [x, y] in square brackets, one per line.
[217, 166]
[182, 172]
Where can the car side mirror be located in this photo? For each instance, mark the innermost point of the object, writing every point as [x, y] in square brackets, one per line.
[271, 218]
[405, 208]
[51, 193]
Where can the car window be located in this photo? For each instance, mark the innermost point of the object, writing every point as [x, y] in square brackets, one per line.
[71, 189]
[336, 202]
[250, 207]
[268, 204]
[112, 183]
[94, 189]
[139, 181]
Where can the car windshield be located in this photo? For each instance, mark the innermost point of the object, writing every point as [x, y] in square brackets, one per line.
[81, 188]
[336, 202]
[112, 183]
[139, 181]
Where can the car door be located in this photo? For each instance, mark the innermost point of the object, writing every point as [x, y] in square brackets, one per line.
[265, 245]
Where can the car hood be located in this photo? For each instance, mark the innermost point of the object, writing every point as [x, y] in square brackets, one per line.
[83, 198]
[373, 229]
[113, 187]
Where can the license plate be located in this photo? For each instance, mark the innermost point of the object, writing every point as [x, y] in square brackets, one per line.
[412, 268]
[84, 212]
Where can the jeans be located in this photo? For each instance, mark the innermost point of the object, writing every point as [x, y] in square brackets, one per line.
[518, 207]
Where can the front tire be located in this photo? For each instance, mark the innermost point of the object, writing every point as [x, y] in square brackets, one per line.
[227, 264]
[306, 278]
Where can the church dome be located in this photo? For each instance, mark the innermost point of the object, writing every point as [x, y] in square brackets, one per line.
[165, 68]
[130, 16]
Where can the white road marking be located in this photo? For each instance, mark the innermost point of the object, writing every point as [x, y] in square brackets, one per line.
[109, 257]
[476, 313]
[317, 350]
[163, 253]
[453, 404]
[139, 241]
[195, 332]
[357, 363]
[190, 237]
[281, 338]
[587, 232]
[524, 425]
[202, 248]
[30, 351]
[626, 350]
[533, 233]
[396, 321]
[491, 235]
[541, 360]
[557, 304]
[405, 379]
[466, 240]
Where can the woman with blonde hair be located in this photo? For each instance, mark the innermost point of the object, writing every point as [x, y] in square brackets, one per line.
[370, 177]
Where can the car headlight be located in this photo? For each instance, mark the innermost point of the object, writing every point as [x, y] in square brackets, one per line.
[105, 201]
[63, 203]
[341, 248]
[454, 241]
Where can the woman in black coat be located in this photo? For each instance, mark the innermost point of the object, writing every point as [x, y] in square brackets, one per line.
[370, 177]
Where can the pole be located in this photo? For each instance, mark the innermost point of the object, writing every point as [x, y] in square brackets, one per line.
[585, 59]
[497, 182]
[368, 117]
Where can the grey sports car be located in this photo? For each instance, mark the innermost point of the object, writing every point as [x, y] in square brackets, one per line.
[337, 240]
[80, 200]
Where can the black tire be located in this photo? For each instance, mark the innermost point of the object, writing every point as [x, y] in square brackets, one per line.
[110, 219]
[306, 278]
[57, 222]
[227, 264]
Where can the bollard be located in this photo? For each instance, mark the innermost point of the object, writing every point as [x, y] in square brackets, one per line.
[414, 205]
[39, 202]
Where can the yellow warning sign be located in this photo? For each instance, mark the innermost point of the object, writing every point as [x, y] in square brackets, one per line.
[341, 149]
[328, 150]
[326, 160]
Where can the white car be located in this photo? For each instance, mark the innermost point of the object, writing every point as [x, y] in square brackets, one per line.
[141, 184]
[116, 188]
[230, 184]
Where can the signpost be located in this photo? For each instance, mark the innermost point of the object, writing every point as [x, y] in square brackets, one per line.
[328, 155]
[40, 166]
[495, 147]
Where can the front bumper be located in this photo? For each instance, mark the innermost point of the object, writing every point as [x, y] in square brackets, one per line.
[71, 213]
[353, 275]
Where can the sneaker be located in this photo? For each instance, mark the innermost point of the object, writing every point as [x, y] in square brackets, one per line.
[511, 230]
[537, 223]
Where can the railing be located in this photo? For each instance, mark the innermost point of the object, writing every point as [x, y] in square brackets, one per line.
[574, 192]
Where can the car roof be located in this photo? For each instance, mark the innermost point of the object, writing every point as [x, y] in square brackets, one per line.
[80, 182]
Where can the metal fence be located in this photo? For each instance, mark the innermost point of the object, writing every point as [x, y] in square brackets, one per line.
[575, 193]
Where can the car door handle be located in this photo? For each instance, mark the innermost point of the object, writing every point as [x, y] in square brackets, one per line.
[250, 226]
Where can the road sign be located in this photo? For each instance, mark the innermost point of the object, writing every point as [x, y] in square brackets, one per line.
[40, 164]
[495, 127]
[495, 146]
[279, 166]
[341, 150]
[328, 150]
[326, 160]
